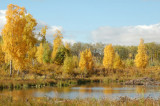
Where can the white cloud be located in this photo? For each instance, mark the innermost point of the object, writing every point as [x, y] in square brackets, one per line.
[2, 18]
[128, 35]
[51, 30]
[71, 41]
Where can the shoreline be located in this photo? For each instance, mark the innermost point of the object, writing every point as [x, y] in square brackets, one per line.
[38, 83]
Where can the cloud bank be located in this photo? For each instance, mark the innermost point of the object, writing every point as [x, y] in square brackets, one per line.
[128, 35]
[2, 18]
[50, 31]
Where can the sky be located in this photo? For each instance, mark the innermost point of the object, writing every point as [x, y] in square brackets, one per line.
[120, 22]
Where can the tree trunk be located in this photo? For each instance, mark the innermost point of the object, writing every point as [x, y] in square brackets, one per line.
[10, 68]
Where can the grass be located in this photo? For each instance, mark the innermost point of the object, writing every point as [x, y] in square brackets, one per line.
[122, 101]
[31, 79]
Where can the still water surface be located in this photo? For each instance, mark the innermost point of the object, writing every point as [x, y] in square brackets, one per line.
[98, 91]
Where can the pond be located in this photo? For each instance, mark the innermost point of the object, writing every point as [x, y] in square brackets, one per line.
[95, 90]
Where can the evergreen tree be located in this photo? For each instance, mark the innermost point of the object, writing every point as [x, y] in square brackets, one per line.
[60, 55]
[46, 53]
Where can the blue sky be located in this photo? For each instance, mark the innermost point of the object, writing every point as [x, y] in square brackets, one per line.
[85, 20]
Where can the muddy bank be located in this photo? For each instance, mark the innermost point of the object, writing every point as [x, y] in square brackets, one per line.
[142, 81]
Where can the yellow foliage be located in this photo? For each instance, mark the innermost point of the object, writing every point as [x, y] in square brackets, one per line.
[17, 35]
[141, 59]
[82, 62]
[32, 52]
[109, 55]
[2, 56]
[130, 55]
[30, 37]
[117, 62]
[39, 53]
[68, 65]
[89, 59]
[43, 31]
[86, 60]
[43, 34]
[140, 89]
[56, 43]
[67, 46]
[75, 61]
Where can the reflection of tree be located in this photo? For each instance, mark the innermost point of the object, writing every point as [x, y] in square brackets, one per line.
[82, 89]
[89, 90]
[19, 94]
[46, 89]
[62, 90]
[108, 90]
[66, 89]
[59, 91]
[140, 89]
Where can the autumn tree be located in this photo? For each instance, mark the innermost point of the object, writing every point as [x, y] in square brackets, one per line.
[2, 56]
[89, 59]
[118, 64]
[75, 61]
[67, 46]
[109, 56]
[68, 66]
[39, 53]
[61, 54]
[82, 62]
[86, 60]
[30, 38]
[17, 34]
[43, 34]
[153, 53]
[46, 53]
[129, 63]
[43, 51]
[141, 59]
[56, 43]
[32, 54]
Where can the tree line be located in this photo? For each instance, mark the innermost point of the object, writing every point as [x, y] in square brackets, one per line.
[21, 48]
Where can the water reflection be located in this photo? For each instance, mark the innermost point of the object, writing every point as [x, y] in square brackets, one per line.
[140, 89]
[108, 90]
[87, 91]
